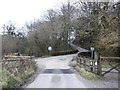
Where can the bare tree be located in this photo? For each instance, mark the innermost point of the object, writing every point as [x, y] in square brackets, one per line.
[9, 28]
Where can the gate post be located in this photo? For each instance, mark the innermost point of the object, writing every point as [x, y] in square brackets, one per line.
[92, 57]
[99, 68]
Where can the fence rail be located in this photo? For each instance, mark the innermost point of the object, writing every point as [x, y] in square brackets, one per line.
[17, 64]
[16, 57]
[110, 57]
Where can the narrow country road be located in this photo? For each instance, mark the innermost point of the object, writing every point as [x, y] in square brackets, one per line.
[55, 73]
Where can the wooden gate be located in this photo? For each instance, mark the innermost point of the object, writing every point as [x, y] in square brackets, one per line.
[98, 65]
[108, 64]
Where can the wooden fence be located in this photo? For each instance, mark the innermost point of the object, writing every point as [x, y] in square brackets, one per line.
[17, 64]
[85, 61]
[98, 63]
[92, 61]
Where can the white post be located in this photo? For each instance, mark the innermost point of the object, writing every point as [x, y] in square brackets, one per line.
[0, 47]
[92, 50]
[0, 56]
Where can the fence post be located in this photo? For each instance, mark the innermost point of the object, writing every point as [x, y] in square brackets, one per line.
[79, 62]
[84, 61]
[99, 68]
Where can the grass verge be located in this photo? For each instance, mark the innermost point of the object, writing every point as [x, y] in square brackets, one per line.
[88, 75]
[10, 81]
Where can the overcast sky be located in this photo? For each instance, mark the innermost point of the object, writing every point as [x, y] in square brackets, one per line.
[22, 11]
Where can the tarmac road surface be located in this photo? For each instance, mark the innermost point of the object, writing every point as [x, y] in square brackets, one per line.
[56, 73]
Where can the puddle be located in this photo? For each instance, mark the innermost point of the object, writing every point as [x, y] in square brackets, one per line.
[63, 59]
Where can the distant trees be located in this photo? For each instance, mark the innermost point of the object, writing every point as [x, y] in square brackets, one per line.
[96, 27]
[9, 28]
[38, 40]
[95, 23]
[53, 31]
[14, 40]
[117, 11]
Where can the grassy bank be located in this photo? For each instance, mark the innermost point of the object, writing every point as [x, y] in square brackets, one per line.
[88, 75]
[8, 80]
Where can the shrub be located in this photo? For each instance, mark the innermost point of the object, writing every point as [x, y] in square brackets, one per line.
[10, 81]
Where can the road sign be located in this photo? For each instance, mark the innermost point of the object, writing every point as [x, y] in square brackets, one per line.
[92, 48]
[49, 48]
